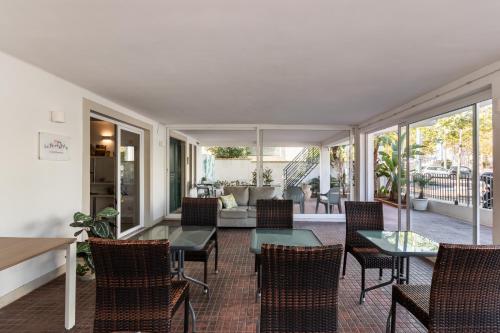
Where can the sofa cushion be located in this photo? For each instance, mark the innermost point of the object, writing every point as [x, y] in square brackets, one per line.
[252, 211]
[240, 194]
[234, 213]
[229, 201]
[260, 193]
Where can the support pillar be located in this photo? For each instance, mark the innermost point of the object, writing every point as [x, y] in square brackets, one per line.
[324, 169]
[259, 158]
[359, 165]
[495, 94]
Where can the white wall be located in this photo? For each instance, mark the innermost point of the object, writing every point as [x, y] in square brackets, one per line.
[38, 198]
[236, 169]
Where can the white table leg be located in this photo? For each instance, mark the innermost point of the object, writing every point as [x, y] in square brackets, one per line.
[70, 292]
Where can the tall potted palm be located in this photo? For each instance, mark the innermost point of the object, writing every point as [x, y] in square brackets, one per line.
[422, 181]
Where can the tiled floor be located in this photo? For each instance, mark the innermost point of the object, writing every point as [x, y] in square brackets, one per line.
[232, 306]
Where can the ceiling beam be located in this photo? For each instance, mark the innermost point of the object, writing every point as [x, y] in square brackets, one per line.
[248, 127]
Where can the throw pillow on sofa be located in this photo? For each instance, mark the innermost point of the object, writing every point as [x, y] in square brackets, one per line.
[229, 201]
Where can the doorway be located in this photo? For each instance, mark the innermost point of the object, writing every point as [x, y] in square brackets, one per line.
[117, 172]
[175, 174]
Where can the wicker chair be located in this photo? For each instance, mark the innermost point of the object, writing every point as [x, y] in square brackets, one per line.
[364, 216]
[296, 194]
[464, 295]
[275, 214]
[134, 290]
[299, 289]
[272, 214]
[201, 212]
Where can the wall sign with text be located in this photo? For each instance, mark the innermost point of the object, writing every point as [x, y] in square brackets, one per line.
[54, 147]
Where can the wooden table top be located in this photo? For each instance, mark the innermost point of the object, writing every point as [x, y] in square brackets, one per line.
[14, 250]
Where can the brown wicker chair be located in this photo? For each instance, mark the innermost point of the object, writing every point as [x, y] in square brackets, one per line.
[299, 289]
[464, 295]
[134, 290]
[201, 212]
[364, 216]
[273, 214]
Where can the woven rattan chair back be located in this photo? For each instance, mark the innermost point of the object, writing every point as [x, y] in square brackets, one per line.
[362, 215]
[276, 214]
[133, 285]
[465, 291]
[299, 288]
[199, 211]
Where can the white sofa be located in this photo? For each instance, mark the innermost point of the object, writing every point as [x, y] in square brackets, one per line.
[246, 197]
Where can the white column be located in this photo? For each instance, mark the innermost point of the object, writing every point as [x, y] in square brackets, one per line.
[369, 168]
[359, 165]
[324, 169]
[495, 94]
[260, 156]
[70, 290]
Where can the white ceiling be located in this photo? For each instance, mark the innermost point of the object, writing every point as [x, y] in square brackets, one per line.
[255, 61]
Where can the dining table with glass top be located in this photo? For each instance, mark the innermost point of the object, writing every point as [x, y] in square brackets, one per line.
[181, 239]
[400, 245]
[286, 237]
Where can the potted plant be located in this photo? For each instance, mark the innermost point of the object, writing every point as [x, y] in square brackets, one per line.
[267, 176]
[99, 226]
[422, 181]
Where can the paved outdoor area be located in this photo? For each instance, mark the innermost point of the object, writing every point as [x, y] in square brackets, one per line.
[232, 307]
[441, 228]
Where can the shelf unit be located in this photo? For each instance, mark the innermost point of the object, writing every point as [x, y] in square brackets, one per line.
[102, 182]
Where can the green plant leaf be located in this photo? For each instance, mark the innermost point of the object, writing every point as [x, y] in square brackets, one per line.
[81, 217]
[78, 233]
[108, 212]
[101, 229]
[77, 224]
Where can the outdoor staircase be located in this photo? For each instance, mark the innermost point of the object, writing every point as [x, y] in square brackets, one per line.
[301, 166]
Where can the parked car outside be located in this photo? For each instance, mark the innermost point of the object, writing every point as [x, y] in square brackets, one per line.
[464, 171]
[434, 170]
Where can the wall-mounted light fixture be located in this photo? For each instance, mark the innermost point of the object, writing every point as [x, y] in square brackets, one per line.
[57, 116]
[106, 137]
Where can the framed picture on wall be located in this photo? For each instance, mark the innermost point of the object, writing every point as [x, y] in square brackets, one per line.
[54, 147]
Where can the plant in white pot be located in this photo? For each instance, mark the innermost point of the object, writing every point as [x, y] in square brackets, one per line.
[422, 181]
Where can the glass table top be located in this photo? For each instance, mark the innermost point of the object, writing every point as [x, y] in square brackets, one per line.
[401, 243]
[190, 238]
[287, 237]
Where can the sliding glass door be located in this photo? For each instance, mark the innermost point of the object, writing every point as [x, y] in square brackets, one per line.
[117, 172]
[130, 165]
[445, 175]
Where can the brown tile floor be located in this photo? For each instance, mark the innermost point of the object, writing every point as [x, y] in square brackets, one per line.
[232, 307]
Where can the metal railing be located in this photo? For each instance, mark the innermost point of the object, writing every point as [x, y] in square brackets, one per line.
[458, 191]
[300, 167]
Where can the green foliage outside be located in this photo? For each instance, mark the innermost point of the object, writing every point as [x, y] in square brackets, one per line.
[387, 162]
[267, 176]
[338, 160]
[453, 133]
[229, 152]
